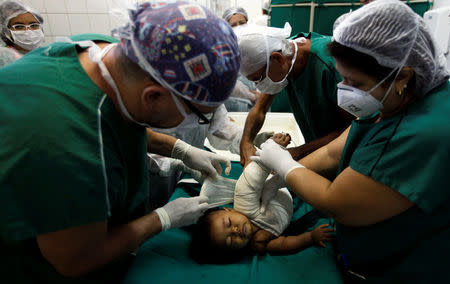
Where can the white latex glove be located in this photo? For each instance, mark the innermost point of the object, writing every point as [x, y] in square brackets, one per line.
[197, 159]
[276, 158]
[270, 189]
[197, 175]
[182, 211]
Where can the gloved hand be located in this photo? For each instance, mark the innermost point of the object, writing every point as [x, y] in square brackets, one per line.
[276, 158]
[197, 175]
[270, 189]
[182, 211]
[197, 159]
[262, 137]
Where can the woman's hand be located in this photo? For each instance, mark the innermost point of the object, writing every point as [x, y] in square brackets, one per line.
[276, 158]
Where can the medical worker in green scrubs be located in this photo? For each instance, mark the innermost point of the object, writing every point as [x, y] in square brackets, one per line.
[303, 72]
[391, 197]
[74, 140]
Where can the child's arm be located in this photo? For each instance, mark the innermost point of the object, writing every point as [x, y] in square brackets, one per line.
[293, 244]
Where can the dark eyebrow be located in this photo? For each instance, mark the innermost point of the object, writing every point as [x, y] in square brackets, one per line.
[20, 23]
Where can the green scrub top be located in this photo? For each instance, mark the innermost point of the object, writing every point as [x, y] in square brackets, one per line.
[312, 95]
[67, 158]
[410, 153]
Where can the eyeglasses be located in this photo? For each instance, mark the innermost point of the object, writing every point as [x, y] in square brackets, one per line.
[202, 118]
[22, 27]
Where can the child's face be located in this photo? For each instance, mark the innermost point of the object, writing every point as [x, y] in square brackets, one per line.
[230, 229]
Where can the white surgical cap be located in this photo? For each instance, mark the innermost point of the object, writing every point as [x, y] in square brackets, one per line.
[395, 36]
[234, 10]
[256, 42]
[266, 5]
[11, 9]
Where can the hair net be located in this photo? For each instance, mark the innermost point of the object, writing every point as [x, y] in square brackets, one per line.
[9, 10]
[395, 36]
[185, 47]
[234, 10]
[257, 42]
[7, 55]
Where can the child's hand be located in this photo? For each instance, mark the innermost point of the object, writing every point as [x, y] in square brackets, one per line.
[322, 234]
[282, 138]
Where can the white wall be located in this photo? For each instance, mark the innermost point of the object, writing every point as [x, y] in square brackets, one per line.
[69, 17]
[440, 3]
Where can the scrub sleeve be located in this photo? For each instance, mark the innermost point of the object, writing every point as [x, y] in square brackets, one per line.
[67, 159]
[411, 154]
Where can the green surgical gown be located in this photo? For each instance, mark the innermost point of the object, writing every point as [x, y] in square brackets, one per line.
[67, 158]
[410, 153]
[312, 95]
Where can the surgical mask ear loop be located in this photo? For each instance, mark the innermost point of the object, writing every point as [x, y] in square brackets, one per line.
[399, 68]
[267, 56]
[178, 104]
[268, 60]
[96, 56]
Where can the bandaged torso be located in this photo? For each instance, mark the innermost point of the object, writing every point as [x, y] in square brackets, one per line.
[247, 200]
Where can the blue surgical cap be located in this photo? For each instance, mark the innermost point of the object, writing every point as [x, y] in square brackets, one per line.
[185, 47]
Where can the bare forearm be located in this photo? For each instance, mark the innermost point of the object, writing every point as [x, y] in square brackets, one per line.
[80, 250]
[256, 117]
[253, 124]
[325, 160]
[311, 187]
[159, 143]
[301, 151]
[290, 244]
[130, 236]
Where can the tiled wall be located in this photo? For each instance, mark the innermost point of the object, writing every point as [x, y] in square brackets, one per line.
[68, 17]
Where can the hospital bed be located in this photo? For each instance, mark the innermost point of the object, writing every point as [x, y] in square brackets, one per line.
[164, 258]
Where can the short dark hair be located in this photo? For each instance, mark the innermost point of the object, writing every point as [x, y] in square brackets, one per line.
[365, 63]
[358, 60]
[202, 249]
[128, 68]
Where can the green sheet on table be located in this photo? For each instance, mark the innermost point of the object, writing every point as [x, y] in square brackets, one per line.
[164, 258]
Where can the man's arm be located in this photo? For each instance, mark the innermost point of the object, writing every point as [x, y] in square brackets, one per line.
[253, 124]
[79, 250]
[158, 143]
[301, 151]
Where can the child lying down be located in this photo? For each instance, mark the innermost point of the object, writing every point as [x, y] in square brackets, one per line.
[225, 235]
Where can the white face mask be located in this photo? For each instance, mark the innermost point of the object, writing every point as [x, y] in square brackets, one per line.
[361, 103]
[267, 86]
[29, 39]
[190, 120]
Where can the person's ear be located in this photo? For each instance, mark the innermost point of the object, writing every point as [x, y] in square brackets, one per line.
[277, 57]
[151, 96]
[403, 78]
